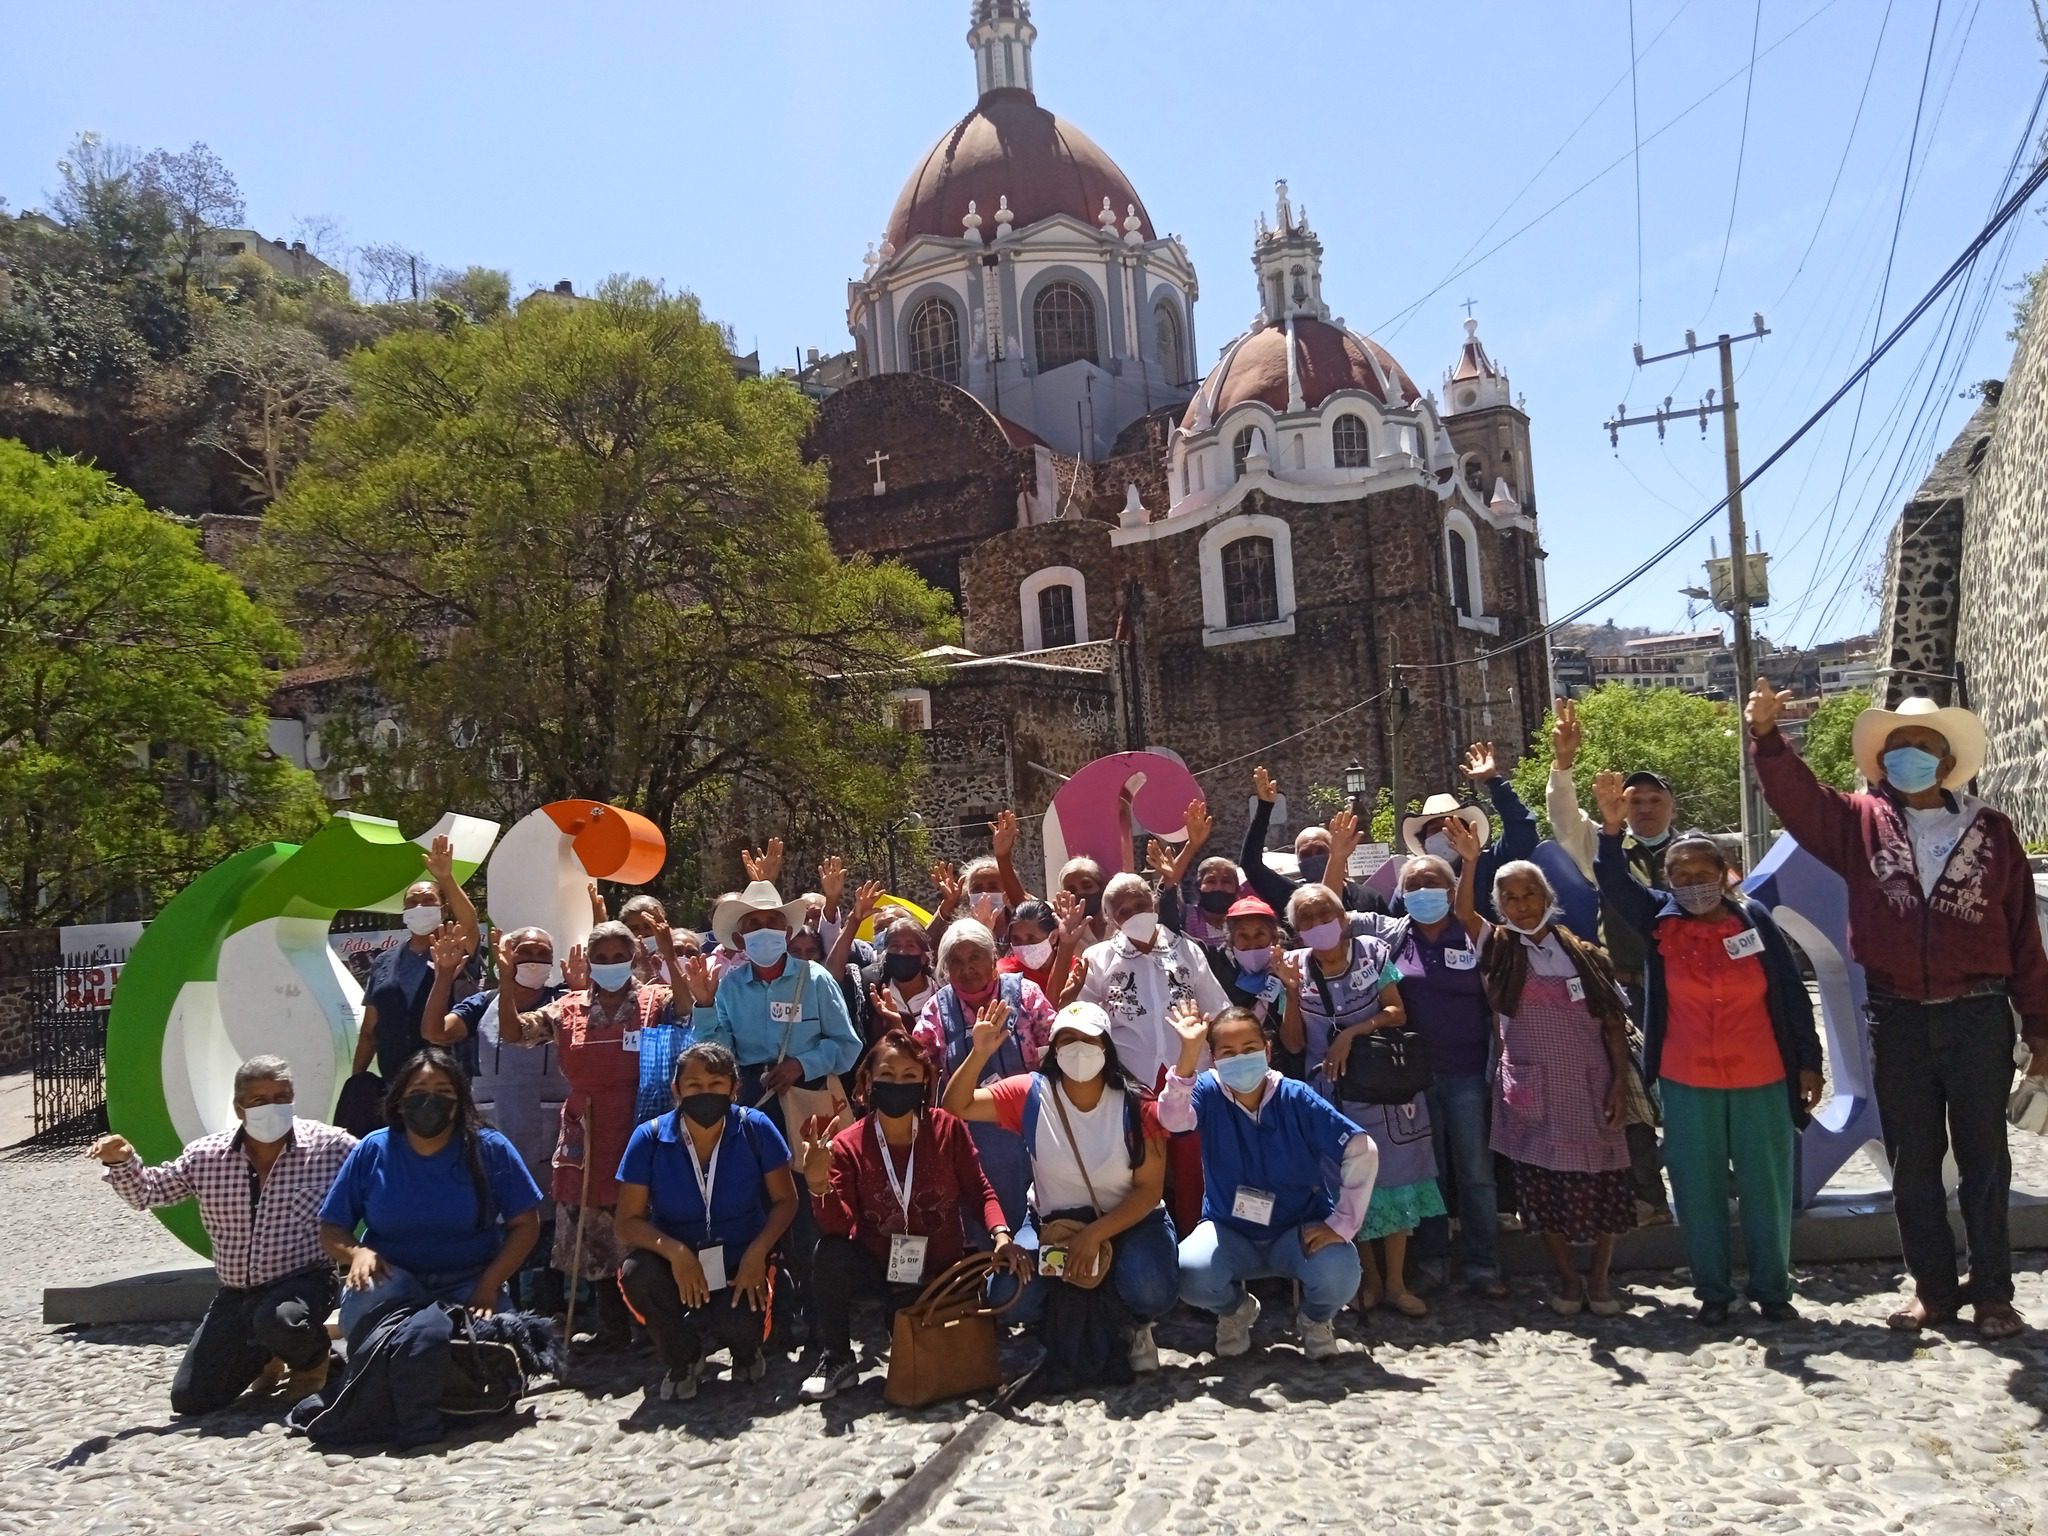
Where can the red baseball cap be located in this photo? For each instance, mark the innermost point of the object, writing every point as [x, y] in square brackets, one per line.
[1251, 906]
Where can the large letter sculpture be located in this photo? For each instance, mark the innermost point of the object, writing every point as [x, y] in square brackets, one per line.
[238, 965]
[1100, 810]
[541, 870]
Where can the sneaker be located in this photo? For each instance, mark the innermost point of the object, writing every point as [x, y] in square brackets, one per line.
[751, 1369]
[681, 1386]
[1318, 1339]
[1144, 1352]
[1234, 1328]
[832, 1376]
[1778, 1311]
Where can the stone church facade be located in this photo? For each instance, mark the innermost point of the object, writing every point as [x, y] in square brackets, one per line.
[1142, 557]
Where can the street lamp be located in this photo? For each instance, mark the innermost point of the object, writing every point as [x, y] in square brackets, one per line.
[1357, 784]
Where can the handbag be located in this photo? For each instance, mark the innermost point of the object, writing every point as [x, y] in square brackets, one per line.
[485, 1378]
[819, 1096]
[1384, 1066]
[944, 1344]
[1054, 1234]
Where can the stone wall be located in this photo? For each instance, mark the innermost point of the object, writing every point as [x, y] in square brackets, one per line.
[1923, 558]
[22, 950]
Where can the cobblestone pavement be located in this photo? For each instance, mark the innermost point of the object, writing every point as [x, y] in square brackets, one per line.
[1482, 1417]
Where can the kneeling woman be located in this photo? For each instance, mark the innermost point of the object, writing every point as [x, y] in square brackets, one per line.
[1098, 1157]
[447, 1209]
[704, 1195]
[895, 1194]
[1267, 1142]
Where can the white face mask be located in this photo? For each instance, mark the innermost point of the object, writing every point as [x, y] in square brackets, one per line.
[1034, 957]
[532, 973]
[1080, 1062]
[421, 920]
[651, 944]
[1542, 923]
[1140, 927]
[1440, 845]
[267, 1122]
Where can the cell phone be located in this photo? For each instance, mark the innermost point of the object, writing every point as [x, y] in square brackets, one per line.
[1052, 1261]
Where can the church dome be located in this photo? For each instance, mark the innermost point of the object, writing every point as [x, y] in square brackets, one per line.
[1326, 359]
[1010, 146]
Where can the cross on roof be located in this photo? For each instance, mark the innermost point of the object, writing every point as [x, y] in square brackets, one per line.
[877, 459]
[1468, 307]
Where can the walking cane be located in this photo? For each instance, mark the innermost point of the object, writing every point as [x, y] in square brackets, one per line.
[576, 1249]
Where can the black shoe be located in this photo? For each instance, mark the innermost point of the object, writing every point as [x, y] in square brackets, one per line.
[1713, 1314]
[1777, 1311]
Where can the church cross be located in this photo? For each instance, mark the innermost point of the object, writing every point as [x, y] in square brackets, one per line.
[1468, 307]
[877, 460]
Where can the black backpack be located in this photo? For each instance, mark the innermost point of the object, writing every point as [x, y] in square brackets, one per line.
[485, 1378]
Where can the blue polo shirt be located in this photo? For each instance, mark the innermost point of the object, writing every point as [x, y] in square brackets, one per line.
[420, 1213]
[749, 1148]
[743, 1019]
[1293, 1151]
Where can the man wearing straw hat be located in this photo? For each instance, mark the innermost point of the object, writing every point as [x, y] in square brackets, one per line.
[1943, 922]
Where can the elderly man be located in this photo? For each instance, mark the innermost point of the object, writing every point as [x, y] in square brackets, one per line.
[1943, 922]
[1427, 831]
[259, 1189]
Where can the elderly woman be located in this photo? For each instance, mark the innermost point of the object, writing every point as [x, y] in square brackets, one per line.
[900, 983]
[1561, 1095]
[596, 1030]
[1081, 877]
[1350, 989]
[1040, 947]
[401, 984]
[967, 956]
[1728, 1030]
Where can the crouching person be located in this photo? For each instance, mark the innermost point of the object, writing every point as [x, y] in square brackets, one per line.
[704, 1195]
[258, 1188]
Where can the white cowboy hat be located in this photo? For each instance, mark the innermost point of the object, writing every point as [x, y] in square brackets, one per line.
[1443, 805]
[1961, 729]
[758, 897]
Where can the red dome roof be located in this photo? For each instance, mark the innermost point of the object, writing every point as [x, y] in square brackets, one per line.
[1327, 357]
[1010, 146]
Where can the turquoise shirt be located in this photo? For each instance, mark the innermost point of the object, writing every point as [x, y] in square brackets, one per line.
[747, 1017]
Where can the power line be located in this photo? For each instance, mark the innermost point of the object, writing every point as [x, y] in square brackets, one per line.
[1635, 121]
[1741, 148]
[1849, 143]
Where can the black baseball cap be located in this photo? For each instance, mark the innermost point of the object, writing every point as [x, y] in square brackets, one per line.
[1643, 776]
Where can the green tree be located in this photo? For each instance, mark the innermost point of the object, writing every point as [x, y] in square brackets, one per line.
[133, 673]
[107, 199]
[573, 544]
[1691, 741]
[1827, 745]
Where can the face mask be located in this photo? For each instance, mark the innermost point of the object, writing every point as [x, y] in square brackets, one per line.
[267, 1122]
[1140, 927]
[705, 1109]
[1034, 957]
[766, 946]
[977, 1000]
[896, 1099]
[1323, 935]
[1241, 1074]
[1256, 961]
[1529, 933]
[426, 1114]
[651, 944]
[1649, 841]
[1080, 1062]
[1697, 899]
[1313, 866]
[610, 978]
[1091, 904]
[1216, 903]
[1440, 845]
[1910, 769]
[420, 921]
[900, 966]
[1428, 903]
[531, 973]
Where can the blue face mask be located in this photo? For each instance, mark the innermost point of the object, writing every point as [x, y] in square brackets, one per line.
[1427, 903]
[611, 977]
[1241, 1074]
[1653, 842]
[766, 946]
[1911, 769]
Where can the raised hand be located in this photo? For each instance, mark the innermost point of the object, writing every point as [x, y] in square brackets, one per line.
[1159, 859]
[1068, 908]
[1076, 980]
[763, 863]
[947, 879]
[599, 913]
[1478, 764]
[447, 949]
[1464, 840]
[1765, 704]
[991, 1027]
[1343, 840]
[697, 977]
[440, 860]
[664, 938]
[576, 970]
[1199, 824]
[986, 908]
[1612, 799]
[865, 900]
[814, 1150]
[1566, 737]
[1263, 785]
[501, 953]
[885, 1007]
[1284, 968]
[831, 881]
[1002, 834]
[1188, 1023]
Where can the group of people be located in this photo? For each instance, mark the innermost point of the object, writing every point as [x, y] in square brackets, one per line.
[1126, 1093]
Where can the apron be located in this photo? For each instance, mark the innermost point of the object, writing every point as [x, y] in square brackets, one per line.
[520, 1091]
[1549, 1096]
[1004, 1157]
[604, 1083]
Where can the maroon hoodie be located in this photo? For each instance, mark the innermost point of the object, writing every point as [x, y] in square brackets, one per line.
[1979, 926]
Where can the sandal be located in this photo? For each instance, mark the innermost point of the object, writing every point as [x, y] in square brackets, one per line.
[1603, 1306]
[1408, 1304]
[1366, 1301]
[1490, 1290]
[1565, 1306]
[1997, 1320]
[1917, 1314]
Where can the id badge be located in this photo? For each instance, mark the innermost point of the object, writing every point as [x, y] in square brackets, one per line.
[1461, 959]
[630, 1041]
[906, 1259]
[1253, 1205]
[1575, 989]
[783, 1013]
[712, 1262]
[1052, 1261]
[1747, 942]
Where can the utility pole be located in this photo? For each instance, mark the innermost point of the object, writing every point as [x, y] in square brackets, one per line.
[1755, 816]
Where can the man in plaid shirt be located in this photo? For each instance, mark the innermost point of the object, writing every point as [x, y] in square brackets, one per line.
[259, 1189]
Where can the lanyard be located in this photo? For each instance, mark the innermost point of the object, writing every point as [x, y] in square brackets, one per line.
[900, 1188]
[706, 1176]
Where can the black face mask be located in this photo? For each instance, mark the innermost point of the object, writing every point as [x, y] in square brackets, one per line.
[902, 967]
[426, 1114]
[706, 1109]
[895, 1099]
[1313, 865]
[1092, 904]
[1216, 903]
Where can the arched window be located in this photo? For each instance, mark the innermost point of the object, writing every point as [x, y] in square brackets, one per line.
[935, 341]
[1458, 553]
[1053, 605]
[1475, 475]
[1251, 595]
[1056, 616]
[1351, 442]
[1166, 342]
[1240, 450]
[1062, 326]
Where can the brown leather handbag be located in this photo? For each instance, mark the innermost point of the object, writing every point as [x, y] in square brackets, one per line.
[945, 1341]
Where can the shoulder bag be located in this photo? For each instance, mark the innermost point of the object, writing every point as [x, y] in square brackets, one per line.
[1057, 1233]
[944, 1344]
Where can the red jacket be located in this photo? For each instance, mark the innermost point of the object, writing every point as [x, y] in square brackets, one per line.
[1980, 925]
[946, 1182]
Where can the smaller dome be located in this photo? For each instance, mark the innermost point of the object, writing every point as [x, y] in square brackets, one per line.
[1327, 358]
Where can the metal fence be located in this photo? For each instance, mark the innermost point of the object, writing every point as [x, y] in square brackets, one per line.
[68, 1007]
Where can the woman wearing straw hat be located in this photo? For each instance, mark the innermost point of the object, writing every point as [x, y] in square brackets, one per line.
[1942, 920]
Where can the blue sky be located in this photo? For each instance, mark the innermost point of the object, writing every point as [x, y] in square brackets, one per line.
[750, 153]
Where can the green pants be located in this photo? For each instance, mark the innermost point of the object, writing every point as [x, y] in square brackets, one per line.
[1706, 1130]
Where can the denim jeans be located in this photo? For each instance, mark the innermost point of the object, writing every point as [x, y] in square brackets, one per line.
[1216, 1261]
[402, 1285]
[1144, 1269]
[1460, 1109]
